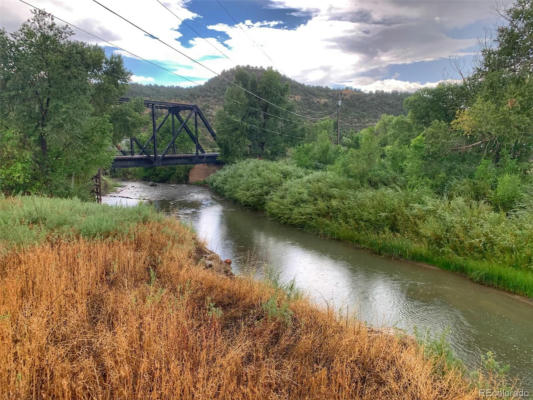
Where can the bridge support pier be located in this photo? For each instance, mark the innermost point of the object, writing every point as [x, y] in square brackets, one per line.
[202, 171]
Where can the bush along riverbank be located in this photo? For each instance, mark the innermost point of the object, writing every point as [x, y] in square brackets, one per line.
[112, 302]
[459, 234]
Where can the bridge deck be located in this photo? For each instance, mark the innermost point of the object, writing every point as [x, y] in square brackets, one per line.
[166, 160]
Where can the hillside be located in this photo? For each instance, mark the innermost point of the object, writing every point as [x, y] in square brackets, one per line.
[359, 109]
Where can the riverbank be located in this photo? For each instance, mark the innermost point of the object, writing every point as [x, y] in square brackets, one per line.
[463, 236]
[142, 310]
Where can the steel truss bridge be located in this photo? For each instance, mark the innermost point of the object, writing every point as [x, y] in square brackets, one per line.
[147, 155]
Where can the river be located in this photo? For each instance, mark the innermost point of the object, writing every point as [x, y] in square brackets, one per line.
[379, 290]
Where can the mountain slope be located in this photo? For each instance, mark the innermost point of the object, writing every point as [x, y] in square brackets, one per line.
[358, 109]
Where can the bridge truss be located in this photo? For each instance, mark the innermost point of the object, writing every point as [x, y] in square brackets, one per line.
[147, 155]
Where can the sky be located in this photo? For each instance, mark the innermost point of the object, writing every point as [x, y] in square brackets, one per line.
[363, 44]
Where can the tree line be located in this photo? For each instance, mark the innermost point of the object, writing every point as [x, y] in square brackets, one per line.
[60, 121]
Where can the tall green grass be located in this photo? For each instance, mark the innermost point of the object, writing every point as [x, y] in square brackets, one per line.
[461, 235]
[28, 220]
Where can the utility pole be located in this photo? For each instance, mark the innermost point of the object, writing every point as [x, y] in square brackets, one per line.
[338, 118]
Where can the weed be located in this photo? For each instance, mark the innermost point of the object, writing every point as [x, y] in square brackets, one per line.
[153, 276]
[438, 349]
[280, 312]
[212, 309]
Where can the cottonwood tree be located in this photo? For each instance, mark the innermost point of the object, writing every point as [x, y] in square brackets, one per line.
[57, 94]
[250, 127]
[500, 119]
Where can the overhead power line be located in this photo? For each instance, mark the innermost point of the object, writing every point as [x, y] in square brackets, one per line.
[155, 37]
[245, 33]
[114, 45]
[193, 29]
[199, 63]
[108, 42]
[199, 35]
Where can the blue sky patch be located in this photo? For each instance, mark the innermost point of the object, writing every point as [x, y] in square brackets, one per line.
[160, 76]
[254, 10]
[209, 57]
[430, 71]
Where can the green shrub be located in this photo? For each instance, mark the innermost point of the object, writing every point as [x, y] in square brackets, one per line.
[314, 201]
[318, 154]
[508, 191]
[250, 182]
[472, 229]
[329, 203]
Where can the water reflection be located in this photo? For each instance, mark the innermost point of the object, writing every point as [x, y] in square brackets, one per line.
[379, 290]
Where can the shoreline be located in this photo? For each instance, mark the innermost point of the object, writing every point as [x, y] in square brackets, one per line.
[523, 298]
[379, 252]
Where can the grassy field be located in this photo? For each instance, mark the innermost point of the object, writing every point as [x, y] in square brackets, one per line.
[137, 313]
[26, 221]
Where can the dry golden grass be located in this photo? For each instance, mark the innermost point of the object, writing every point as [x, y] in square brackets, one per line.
[139, 318]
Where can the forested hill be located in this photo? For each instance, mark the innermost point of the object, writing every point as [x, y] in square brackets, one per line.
[358, 111]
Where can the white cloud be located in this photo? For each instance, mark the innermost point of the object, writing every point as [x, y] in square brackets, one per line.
[142, 79]
[341, 42]
[389, 85]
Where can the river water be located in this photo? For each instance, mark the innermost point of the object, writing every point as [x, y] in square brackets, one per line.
[382, 291]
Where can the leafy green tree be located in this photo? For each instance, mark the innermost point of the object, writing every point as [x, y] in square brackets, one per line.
[436, 104]
[315, 129]
[15, 172]
[501, 125]
[512, 55]
[363, 163]
[318, 154]
[57, 94]
[232, 130]
[128, 119]
[499, 121]
[399, 130]
[250, 127]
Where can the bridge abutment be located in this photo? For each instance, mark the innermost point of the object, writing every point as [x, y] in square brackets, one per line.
[201, 171]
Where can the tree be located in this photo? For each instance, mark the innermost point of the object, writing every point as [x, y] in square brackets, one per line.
[513, 53]
[318, 154]
[128, 119]
[500, 126]
[250, 127]
[440, 103]
[57, 94]
[499, 121]
[486, 119]
[314, 129]
[15, 172]
[232, 130]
